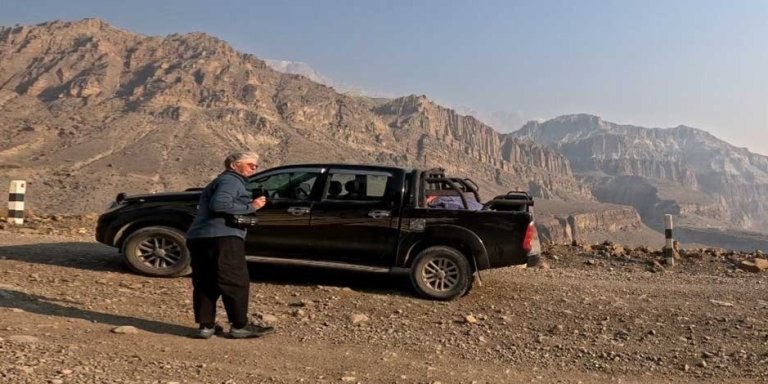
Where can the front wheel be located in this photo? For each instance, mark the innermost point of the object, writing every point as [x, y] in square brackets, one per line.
[441, 273]
[157, 251]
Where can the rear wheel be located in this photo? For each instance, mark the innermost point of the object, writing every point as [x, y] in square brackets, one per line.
[441, 273]
[157, 251]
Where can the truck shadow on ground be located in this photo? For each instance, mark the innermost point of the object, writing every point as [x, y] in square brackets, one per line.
[80, 255]
[376, 283]
[101, 258]
[42, 305]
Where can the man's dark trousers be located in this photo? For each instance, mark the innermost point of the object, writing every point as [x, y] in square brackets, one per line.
[219, 269]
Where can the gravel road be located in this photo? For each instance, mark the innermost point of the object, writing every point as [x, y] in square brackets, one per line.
[70, 312]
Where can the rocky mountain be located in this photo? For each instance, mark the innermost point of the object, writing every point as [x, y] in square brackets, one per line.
[685, 171]
[88, 110]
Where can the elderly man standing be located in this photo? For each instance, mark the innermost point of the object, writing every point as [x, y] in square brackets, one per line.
[219, 268]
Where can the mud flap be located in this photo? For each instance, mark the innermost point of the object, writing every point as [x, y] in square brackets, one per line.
[534, 260]
[476, 280]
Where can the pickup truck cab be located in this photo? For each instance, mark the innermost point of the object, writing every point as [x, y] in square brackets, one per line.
[355, 217]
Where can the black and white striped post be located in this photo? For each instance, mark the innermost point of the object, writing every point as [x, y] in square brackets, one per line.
[16, 201]
[669, 250]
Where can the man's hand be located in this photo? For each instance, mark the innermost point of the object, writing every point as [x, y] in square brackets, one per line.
[259, 202]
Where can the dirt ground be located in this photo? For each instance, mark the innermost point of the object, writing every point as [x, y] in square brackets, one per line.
[591, 316]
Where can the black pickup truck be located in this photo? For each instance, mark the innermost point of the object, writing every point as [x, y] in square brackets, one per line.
[355, 217]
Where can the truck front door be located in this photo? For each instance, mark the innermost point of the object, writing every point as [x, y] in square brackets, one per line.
[283, 229]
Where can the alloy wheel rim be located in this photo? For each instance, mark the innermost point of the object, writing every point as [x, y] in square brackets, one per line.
[440, 274]
[159, 252]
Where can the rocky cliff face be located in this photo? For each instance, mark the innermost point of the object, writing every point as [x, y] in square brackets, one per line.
[683, 170]
[89, 110]
[437, 135]
[563, 222]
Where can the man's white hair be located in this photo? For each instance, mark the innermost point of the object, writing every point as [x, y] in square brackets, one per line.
[238, 156]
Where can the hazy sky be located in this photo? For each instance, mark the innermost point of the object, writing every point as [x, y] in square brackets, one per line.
[652, 63]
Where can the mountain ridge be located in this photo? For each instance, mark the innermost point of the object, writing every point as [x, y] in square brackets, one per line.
[667, 160]
[89, 110]
[67, 86]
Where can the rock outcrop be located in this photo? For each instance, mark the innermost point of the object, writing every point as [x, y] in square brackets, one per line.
[682, 171]
[564, 224]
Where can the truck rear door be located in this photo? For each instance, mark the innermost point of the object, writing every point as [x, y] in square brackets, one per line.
[357, 218]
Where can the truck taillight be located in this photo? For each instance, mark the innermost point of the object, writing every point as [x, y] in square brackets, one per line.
[531, 239]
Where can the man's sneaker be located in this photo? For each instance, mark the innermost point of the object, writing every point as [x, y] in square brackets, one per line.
[207, 333]
[250, 331]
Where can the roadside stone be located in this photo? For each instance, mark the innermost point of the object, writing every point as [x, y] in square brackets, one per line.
[721, 303]
[621, 335]
[23, 369]
[575, 243]
[590, 262]
[300, 303]
[267, 318]
[756, 266]
[470, 319]
[358, 318]
[125, 330]
[23, 339]
[655, 267]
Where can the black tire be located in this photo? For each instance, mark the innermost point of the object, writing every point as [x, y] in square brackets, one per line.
[157, 251]
[441, 273]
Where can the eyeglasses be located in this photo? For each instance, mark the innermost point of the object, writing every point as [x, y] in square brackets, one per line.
[251, 165]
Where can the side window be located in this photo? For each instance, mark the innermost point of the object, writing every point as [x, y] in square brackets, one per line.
[286, 185]
[357, 186]
[376, 185]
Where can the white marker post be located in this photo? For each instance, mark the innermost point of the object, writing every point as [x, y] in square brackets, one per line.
[669, 250]
[16, 202]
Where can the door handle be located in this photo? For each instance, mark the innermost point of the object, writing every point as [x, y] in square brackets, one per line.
[376, 214]
[298, 211]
